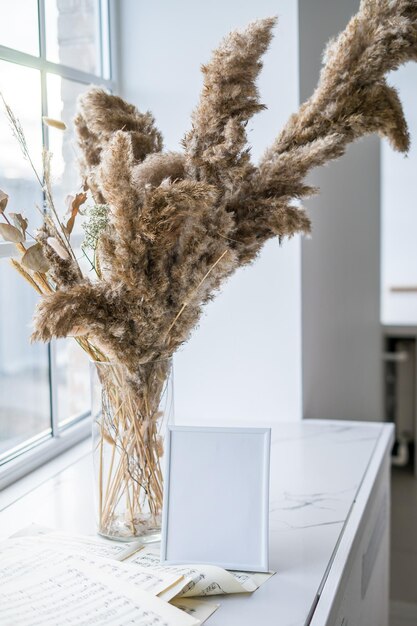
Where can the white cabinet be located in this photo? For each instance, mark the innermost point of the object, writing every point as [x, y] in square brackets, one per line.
[363, 596]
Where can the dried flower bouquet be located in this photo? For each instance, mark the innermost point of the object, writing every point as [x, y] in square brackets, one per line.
[167, 228]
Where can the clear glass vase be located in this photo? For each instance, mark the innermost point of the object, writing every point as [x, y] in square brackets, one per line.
[129, 424]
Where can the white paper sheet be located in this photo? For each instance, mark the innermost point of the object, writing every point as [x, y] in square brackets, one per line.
[191, 581]
[200, 609]
[25, 555]
[257, 578]
[80, 543]
[200, 580]
[76, 593]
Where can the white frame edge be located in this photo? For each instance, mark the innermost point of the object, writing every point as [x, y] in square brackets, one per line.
[264, 562]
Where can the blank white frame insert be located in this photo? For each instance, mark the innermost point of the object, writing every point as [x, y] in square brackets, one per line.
[216, 497]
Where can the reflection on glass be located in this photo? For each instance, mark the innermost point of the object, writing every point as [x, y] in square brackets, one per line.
[62, 104]
[19, 25]
[24, 373]
[16, 176]
[73, 381]
[73, 34]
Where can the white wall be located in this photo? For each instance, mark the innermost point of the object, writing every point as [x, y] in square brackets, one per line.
[244, 361]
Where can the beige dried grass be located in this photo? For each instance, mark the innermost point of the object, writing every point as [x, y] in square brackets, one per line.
[178, 224]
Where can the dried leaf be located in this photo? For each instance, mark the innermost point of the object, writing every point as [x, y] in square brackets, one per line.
[68, 202]
[58, 248]
[11, 233]
[79, 199]
[50, 121]
[4, 198]
[34, 259]
[20, 222]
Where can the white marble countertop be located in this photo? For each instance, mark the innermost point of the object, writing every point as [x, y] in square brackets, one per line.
[317, 471]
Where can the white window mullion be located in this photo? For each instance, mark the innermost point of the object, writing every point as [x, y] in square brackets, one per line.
[113, 20]
[22, 58]
[42, 34]
[53, 382]
[44, 106]
[42, 54]
[99, 26]
[106, 70]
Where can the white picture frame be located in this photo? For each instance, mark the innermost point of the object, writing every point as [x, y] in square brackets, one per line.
[216, 497]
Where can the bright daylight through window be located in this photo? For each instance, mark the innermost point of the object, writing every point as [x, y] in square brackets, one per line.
[50, 52]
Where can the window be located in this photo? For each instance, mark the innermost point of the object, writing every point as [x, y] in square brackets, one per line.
[50, 52]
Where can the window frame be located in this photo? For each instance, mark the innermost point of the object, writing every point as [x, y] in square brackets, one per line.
[41, 448]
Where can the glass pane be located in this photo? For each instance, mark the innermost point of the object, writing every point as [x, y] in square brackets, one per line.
[73, 34]
[73, 381]
[62, 102]
[16, 176]
[24, 373]
[19, 27]
[72, 373]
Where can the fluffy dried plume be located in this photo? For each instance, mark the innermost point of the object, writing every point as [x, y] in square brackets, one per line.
[63, 270]
[180, 223]
[100, 116]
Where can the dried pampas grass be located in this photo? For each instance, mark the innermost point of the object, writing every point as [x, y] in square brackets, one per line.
[168, 228]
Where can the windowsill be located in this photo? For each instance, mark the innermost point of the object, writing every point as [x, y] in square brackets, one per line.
[66, 450]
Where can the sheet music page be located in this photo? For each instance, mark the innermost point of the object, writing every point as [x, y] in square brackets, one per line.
[200, 609]
[80, 543]
[200, 580]
[252, 578]
[74, 593]
[22, 556]
[41, 536]
[174, 591]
